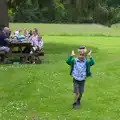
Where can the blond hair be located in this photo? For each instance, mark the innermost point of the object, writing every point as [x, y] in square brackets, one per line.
[82, 50]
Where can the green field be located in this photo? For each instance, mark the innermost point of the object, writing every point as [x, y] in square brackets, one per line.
[44, 92]
[71, 29]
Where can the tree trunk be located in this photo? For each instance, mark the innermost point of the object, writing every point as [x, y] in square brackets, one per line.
[3, 13]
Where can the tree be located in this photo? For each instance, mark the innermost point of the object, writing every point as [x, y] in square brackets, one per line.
[67, 11]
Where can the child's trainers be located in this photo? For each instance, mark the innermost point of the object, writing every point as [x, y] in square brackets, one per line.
[75, 105]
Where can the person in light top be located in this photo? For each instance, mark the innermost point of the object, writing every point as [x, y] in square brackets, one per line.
[37, 44]
[25, 33]
[16, 33]
[33, 37]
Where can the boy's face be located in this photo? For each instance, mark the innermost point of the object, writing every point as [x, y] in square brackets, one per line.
[81, 55]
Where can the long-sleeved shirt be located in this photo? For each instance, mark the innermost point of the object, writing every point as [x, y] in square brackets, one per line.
[3, 41]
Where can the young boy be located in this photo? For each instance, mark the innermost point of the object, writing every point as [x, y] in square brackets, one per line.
[80, 69]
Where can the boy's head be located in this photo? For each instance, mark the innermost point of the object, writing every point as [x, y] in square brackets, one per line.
[82, 48]
[81, 52]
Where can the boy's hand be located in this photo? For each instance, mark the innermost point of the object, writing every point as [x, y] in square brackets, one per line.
[89, 54]
[73, 53]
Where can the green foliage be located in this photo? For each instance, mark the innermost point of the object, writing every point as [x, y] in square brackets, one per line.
[101, 15]
[65, 11]
[114, 3]
[116, 18]
[11, 15]
[59, 11]
[27, 12]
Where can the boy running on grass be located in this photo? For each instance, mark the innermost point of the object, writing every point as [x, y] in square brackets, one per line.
[80, 69]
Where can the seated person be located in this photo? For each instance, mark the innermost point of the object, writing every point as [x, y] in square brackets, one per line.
[19, 35]
[4, 40]
[33, 36]
[37, 44]
[16, 33]
[29, 34]
[26, 34]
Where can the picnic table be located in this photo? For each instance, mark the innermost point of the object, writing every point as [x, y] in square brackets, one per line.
[19, 45]
[17, 48]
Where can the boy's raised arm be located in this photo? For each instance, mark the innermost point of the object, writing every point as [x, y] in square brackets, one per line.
[70, 58]
[91, 62]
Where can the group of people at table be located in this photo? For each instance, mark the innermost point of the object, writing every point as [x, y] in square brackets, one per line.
[31, 36]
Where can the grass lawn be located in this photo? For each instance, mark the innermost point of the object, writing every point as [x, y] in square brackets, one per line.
[70, 29]
[44, 92]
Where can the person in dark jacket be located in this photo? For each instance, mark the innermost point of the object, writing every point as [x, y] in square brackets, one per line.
[4, 35]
